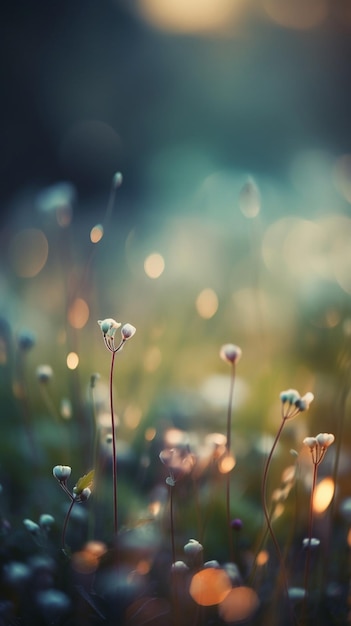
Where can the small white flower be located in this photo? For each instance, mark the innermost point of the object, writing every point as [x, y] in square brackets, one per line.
[325, 439]
[109, 326]
[127, 331]
[62, 472]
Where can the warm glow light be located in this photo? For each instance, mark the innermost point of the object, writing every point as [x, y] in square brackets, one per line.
[72, 360]
[150, 434]
[210, 586]
[28, 252]
[239, 605]
[207, 303]
[297, 14]
[155, 508]
[262, 558]
[187, 17]
[78, 313]
[323, 495]
[349, 538]
[154, 265]
[96, 233]
[226, 463]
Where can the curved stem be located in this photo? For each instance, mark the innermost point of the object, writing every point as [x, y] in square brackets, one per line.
[114, 453]
[266, 514]
[66, 522]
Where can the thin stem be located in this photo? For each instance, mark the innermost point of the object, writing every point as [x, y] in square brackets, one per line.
[114, 453]
[310, 523]
[229, 434]
[172, 524]
[66, 522]
[266, 514]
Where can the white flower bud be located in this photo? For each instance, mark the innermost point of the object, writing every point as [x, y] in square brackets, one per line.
[61, 472]
[325, 439]
[230, 353]
[310, 442]
[108, 326]
[193, 547]
[127, 331]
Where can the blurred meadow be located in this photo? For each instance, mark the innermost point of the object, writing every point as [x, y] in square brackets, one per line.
[183, 167]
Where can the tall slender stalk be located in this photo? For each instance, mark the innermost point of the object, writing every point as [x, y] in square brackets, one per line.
[114, 452]
[228, 475]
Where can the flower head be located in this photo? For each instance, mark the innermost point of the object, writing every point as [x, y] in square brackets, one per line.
[44, 373]
[127, 331]
[109, 326]
[293, 403]
[319, 445]
[62, 472]
[230, 353]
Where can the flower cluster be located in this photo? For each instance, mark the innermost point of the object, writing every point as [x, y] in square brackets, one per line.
[319, 445]
[109, 327]
[293, 403]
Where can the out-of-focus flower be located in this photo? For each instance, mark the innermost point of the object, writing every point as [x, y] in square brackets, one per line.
[44, 373]
[293, 403]
[26, 340]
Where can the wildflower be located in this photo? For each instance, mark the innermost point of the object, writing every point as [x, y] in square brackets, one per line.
[230, 353]
[127, 331]
[62, 472]
[193, 547]
[108, 329]
[293, 403]
[109, 326]
[117, 179]
[46, 521]
[31, 526]
[319, 445]
[26, 340]
[44, 373]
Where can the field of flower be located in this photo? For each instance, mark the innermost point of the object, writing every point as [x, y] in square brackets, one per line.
[174, 394]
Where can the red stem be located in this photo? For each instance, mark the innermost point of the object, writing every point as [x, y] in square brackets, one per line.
[114, 452]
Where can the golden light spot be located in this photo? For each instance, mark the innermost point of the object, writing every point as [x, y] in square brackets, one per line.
[72, 361]
[262, 558]
[323, 495]
[239, 605]
[97, 548]
[66, 408]
[152, 359]
[150, 434]
[207, 303]
[96, 233]
[132, 416]
[226, 463]
[28, 252]
[78, 313]
[349, 538]
[278, 511]
[143, 567]
[299, 14]
[187, 17]
[154, 265]
[155, 507]
[210, 586]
